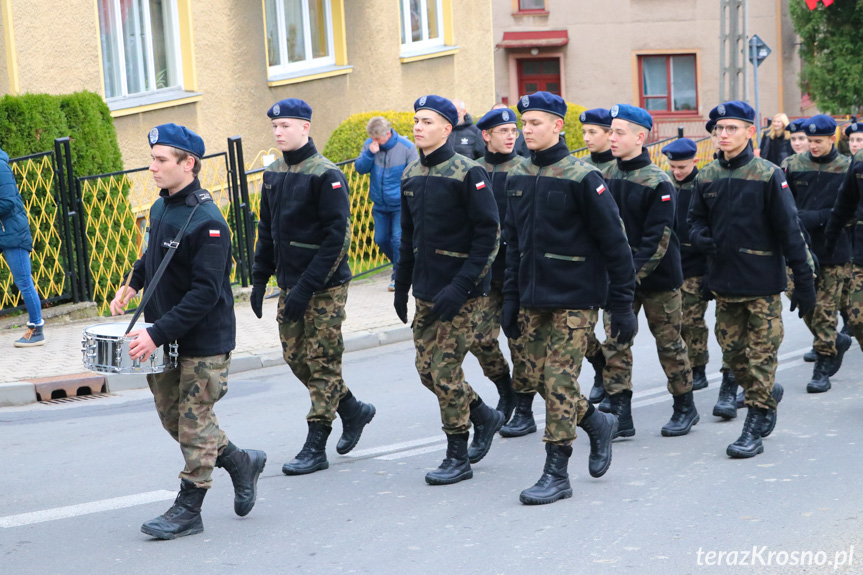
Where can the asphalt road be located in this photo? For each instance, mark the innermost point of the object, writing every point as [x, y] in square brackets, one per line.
[78, 480]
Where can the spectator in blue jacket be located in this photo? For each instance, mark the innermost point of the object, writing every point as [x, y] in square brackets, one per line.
[16, 243]
[384, 156]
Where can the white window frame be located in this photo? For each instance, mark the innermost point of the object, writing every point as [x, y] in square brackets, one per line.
[289, 67]
[411, 46]
[146, 51]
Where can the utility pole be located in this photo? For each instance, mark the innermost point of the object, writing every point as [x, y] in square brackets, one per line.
[733, 50]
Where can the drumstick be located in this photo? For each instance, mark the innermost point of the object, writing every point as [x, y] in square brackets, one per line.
[126, 285]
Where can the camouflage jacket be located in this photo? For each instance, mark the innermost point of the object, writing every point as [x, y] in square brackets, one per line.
[305, 227]
[567, 247]
[498, 166]
[647, 199]
[815, 183]
[603, 161]
[849, 206]
[694, 262]
[745, 206]
[450, 225]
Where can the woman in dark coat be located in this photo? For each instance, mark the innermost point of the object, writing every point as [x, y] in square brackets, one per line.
[775, 143]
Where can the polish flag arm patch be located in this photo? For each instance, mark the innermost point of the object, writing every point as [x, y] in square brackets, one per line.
[666, 198]
[480, 185]
[784, 184]
[599, 190]
[215, 234]
[337, 185]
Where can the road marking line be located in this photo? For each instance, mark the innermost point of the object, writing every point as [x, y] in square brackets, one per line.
[85, 508]
[393, 447]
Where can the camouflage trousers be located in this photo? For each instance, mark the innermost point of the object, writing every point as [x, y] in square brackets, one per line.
[593, 345]
[441, 347]
[845, 296]
[184, 398]
[664, 317]
[694, 328]
[486, 347]
[313, 347]
[855, 308]
[822, 321]
[749, 330]
[554, 341]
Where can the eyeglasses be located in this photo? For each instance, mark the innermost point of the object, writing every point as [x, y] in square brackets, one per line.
[730, 130]
[508, 132]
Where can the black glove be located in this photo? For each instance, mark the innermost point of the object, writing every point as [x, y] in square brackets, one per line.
[400, 302]
[451, 298]
[297, 302]
[509, 319]
[257, 299]
[623, 322]
[830, 241]
[706, 294]
[803, 299]
[703, 243]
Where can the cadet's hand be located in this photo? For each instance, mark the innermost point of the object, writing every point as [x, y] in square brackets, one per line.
[142, 345]
[509, 319]
[623, 322]
[400, 302]
[121, 300]
[830, 241]
[374, 147]
[803, 298]
[257, 299]
[296, 302]
[450, 299]
[706, 294]
[703, 243]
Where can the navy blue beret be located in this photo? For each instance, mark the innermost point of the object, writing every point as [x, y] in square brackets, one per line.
[440, 105]
[632, 114]
[797, 126]
[596, 117]
[733, 110]
[543, 102]
[680, 149]
[709, 126]
[291, 108]
[179, 137]
[854, 128]
[496, 118]
[820, 125]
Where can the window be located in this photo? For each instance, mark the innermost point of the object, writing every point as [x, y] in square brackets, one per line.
[299, 35]
[531, 5]
[536, 75]
[140, 46]
[668, 83]
[422, 24]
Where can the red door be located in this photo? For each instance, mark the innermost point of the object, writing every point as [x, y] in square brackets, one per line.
[536, 75]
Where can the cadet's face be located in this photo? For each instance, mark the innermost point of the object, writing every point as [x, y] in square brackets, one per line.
[430, 130]
[714, 139]
[290, 133]
[855, 142]
[595, 138]
[541, 130]
[626, 139]
[167, 172]
[734, 135]
[500, 139]
[820, 145]
[682, 168]
[799, 143]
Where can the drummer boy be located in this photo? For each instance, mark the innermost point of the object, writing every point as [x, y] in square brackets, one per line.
[191, 304]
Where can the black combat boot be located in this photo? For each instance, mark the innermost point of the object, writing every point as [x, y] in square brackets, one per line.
[699, 378]
[506, 403]
[244, 466]
[486, 422]
[355, 416]
[554, 483]
[621, 408]
[820, 380]
[726, 406]
[184, 516]
[770, 418]
[741, 399]
[522, 421]
[605, 405]
[810, 356]
[597, 392]
[600, 428]
[749, 443]
[456, 466]
[834, 362]
[684, 417]
[313, 456]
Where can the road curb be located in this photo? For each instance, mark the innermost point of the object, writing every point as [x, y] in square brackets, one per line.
[24, 392]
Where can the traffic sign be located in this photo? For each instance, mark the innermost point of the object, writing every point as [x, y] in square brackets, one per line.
[758, 50]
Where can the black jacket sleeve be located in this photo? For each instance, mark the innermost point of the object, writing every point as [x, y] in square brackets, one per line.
[405, 267]
[265, 254]
[485, 221]
[783, 219]
[846, 200]
[657, 229]
[334, 212]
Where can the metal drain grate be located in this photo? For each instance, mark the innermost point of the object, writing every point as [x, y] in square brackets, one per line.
[74, 399]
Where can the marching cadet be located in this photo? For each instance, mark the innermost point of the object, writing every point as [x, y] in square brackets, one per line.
[303, 238]
[683, 167]
[854, 131]
[814, 179]
[500, 133]
[799, 143]
[194, 306]
[595, 129]
[742, 214]
[450, 236]
[646, 199]
[568, 257]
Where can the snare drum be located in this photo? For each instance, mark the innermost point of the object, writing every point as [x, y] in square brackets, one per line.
[106, 350]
